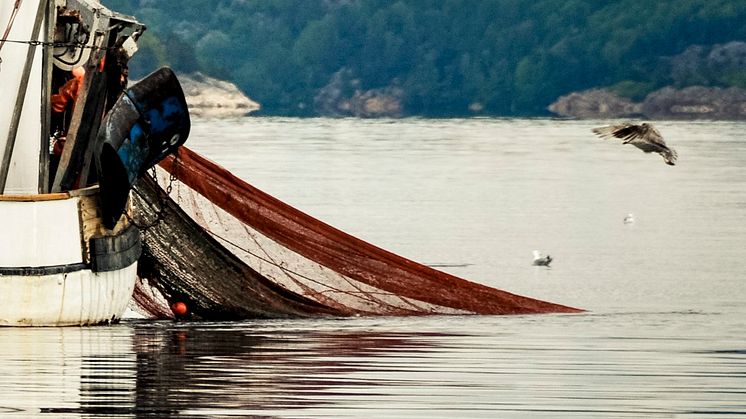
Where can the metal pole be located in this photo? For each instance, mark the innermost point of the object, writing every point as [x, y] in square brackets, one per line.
[46, 94]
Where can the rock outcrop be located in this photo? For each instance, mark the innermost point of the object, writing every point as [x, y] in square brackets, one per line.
[594, 103]
[696, 67]
[212, 98]
[695, 102]
[343, 96]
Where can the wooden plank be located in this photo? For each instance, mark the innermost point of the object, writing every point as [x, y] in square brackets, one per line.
[72, 131]
[18, 109]
[35, 197]
[46, 109]
[87, 191]
[91, 223]
[86, 119]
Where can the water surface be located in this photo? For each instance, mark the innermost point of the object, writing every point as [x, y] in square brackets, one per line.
[663, 335]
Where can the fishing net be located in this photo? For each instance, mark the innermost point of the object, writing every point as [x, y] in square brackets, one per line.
[228, 250]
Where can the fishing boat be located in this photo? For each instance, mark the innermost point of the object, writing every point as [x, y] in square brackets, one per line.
[74, 138]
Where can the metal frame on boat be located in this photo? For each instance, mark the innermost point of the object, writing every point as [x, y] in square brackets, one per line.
[63, 260]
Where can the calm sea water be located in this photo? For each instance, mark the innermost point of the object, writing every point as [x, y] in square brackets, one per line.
[664, 335]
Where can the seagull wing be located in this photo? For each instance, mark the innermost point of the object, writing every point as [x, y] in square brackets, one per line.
[648, 134]
[645, 137]
[653, 135]
[626, 131]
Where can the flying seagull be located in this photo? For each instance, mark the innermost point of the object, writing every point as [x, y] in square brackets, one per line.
[644, 136]
[541, 261]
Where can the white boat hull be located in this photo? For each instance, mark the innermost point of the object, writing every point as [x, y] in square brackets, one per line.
[59, 266]
[82, 297]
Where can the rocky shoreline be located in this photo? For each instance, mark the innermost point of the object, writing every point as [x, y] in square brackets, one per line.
[211, 98]
[208, 97]
[695, 102]
[343, 96]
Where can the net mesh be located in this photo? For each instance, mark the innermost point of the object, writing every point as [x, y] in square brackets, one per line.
[263, 258]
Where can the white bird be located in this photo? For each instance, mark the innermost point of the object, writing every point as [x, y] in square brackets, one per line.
[644, 136]
[629, 219]
[541, 261]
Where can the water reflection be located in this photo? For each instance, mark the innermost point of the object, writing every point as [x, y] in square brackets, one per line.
[236, 370]
[66, 371]
[585, 366]
[164, 369]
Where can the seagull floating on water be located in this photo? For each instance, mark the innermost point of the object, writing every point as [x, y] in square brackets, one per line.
[541, 261]
[629, 219]
[644, 136]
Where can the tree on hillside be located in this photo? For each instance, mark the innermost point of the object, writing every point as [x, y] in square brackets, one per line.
[448, 57]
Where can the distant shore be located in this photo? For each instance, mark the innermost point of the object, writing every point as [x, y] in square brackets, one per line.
[211, 98]
[690, 103]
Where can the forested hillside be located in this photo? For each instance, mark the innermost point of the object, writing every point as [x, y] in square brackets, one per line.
[443, 57]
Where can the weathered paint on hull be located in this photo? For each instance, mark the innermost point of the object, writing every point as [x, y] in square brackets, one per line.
[47, 275]
[75, 298]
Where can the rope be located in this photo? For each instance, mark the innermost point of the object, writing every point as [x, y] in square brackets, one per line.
[368, 294]
[53, 44]
[68, 45]
[10, 25]
[160, 213]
